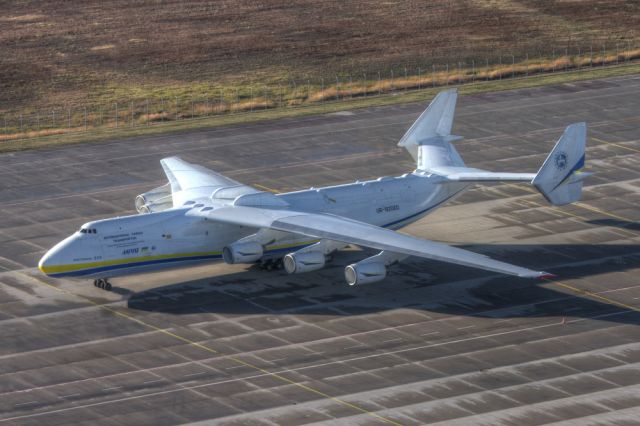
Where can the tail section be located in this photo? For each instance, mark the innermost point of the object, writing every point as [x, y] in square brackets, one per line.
[428, 139]
[560, 179]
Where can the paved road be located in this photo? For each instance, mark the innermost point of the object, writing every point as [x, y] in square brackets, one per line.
[433, 343]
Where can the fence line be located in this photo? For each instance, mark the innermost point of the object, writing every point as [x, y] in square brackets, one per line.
[147, 112]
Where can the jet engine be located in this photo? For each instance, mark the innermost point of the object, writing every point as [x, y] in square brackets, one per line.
[365, 272]
[296, 263]
[239, 252]
[156, 200]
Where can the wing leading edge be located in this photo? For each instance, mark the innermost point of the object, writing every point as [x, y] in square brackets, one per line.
[349, 231]
[184, 176]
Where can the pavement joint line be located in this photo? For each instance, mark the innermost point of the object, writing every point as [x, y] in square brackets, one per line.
[597, 210]
[430, 333]
[320, 365]
[235, 359]
[591, 294]
[616, 144]
[581, 205]
[232, 173]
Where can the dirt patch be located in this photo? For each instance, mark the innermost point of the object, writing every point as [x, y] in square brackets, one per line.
[87, 52]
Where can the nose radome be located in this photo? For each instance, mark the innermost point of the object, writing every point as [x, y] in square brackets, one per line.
[55, 257]
[45, 262]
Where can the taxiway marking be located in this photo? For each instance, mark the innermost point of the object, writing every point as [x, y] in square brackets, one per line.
[235, 359]
[266, 188]
[616, 144]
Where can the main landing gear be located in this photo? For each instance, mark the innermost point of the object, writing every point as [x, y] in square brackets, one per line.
[102, 283]
[271, 264]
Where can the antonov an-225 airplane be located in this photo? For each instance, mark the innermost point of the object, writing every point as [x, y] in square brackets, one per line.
[201, 216]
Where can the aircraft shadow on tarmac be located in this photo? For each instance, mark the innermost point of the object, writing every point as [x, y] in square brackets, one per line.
[633, 226]
[416, 284]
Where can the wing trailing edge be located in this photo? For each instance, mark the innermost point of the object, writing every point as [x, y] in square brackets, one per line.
[336, 228]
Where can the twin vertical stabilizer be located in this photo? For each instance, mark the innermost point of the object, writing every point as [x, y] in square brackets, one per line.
[428, 139]
[560, 177]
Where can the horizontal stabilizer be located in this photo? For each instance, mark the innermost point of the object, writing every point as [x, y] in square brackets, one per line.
[559, 179]
[466, 174]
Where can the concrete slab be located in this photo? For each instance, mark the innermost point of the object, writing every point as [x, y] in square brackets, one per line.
[433, 343]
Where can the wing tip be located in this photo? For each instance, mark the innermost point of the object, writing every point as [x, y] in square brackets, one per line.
[546, 276]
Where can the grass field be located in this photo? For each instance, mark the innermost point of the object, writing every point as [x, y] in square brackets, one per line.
[80, 54]
[77, 135]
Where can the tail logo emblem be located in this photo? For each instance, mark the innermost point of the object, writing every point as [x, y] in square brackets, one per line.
[561, 160]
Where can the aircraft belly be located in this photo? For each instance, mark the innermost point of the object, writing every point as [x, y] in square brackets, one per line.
[140, 267]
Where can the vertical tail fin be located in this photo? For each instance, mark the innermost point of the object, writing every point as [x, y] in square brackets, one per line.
[559, 179]
[428, 139]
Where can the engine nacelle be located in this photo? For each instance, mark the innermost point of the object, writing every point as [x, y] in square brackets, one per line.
[296, 263]
[365, 272]
[248, 252]
[156, 200]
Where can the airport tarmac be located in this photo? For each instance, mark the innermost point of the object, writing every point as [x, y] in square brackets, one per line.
[434, 343]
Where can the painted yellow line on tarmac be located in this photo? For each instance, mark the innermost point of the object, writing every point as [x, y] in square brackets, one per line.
[597, 210]
[593, 295]
[581, 205]
[213, 351]
[616, 144]
[266, 188]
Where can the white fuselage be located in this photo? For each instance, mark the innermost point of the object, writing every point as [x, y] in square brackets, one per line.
[169, 239]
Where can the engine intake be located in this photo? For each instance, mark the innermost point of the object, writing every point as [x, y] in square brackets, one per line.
[296, 263]
[365, 272]
[248, 252]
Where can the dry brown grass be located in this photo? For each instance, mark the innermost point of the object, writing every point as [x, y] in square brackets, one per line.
[39, 133]
[132, 114]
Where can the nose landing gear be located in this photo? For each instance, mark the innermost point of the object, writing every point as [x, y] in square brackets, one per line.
[102, 283]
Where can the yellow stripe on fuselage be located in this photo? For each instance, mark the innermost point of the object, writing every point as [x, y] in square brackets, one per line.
[74, 267]
[60, 269]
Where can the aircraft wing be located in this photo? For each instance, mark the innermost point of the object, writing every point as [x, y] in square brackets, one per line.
[191, 181]
[185, 176]
[349, 231]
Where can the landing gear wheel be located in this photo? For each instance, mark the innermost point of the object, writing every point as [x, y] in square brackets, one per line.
[277, 264]
[102, 283]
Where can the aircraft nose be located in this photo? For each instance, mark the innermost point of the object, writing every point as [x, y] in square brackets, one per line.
[47, 261]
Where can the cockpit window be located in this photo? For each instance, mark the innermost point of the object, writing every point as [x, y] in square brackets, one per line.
[88, 231]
